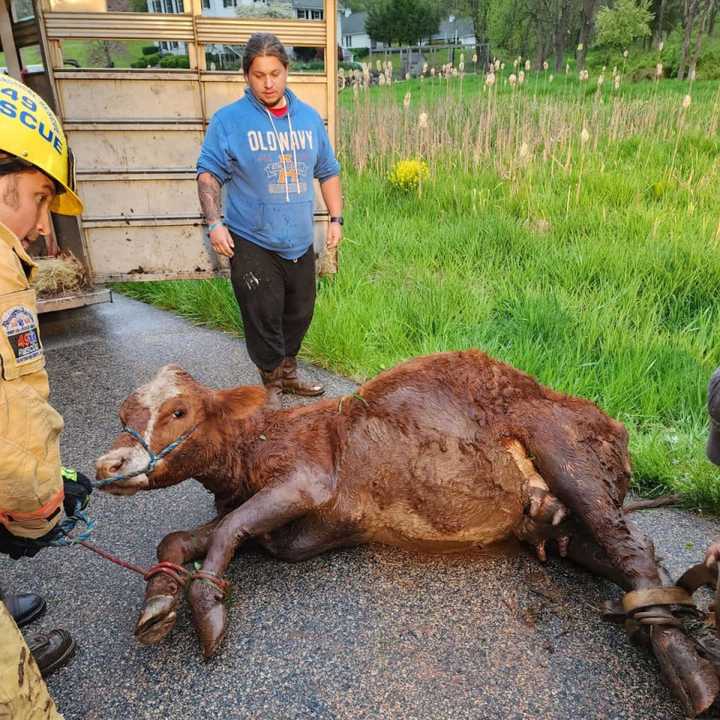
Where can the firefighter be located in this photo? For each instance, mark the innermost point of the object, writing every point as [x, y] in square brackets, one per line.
[36, 178]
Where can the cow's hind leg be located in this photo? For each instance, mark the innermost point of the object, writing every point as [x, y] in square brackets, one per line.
[163, 591]
[585, 474]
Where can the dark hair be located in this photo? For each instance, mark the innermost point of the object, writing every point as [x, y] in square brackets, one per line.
[263, 45]
[11, 165]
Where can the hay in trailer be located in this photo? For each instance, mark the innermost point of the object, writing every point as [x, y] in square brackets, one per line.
[58, 275]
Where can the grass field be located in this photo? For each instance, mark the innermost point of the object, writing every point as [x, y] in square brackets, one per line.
[570, 229]
[85, 53]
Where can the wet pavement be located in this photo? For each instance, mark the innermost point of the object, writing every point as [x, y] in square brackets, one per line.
[370, 632]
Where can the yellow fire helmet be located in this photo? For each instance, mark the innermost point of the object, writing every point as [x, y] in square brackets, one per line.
[30, 131]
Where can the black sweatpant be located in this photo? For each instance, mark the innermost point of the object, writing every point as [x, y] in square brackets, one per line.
[276, 299]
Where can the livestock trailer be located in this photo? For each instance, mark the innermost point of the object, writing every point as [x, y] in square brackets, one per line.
[135, 83]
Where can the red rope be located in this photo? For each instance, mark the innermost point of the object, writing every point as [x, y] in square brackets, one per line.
[177, 572]
[112, 558]
[212, 578]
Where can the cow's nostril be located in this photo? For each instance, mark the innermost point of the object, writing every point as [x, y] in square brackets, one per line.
[110, 467]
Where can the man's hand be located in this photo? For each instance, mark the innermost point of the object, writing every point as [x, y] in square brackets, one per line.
[78, 489]
[712, 554]
[334, 235]
[17, 547]
[222, 241]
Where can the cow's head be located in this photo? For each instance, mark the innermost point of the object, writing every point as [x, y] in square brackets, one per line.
[173, 407]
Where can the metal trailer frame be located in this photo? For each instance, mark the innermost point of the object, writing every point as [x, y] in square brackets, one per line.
[136, 133]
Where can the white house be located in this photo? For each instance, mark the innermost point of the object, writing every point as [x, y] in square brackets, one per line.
[309, 9]
[452, 31]
[352, 31]
[301, 9]
[455, 31]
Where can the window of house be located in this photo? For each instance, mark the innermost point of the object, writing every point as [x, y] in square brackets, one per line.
[206, 4]
[317, 14]
[348, 41]
[303, 14]
[229, 3]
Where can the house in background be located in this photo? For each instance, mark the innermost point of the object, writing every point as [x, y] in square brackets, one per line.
[300, 9]
[452, 31]
[352, 31]
[309, 9]
[455, 31]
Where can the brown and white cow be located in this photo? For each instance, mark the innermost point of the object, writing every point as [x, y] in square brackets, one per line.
[444, 452]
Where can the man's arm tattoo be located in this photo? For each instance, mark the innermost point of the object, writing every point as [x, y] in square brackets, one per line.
[209, 193]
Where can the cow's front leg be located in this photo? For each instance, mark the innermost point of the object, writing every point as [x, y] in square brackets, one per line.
[270, 508]
[162, 594]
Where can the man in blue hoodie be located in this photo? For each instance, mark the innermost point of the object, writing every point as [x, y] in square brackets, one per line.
[267, 147]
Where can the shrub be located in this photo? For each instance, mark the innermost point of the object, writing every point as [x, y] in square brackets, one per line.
[409, 174]
[151, 60]
[312, 66]
[150, 49]
[140, 63]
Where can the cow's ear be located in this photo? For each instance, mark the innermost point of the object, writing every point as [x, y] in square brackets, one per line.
[240, 402]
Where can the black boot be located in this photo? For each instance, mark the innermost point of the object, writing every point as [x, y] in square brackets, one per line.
[24, 607]
[273, 382]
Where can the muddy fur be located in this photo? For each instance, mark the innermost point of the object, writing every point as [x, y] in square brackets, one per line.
[418, 457]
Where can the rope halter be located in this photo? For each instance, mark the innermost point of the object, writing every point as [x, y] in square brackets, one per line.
[153, 458]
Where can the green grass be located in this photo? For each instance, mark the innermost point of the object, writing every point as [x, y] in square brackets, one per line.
[597, 270]
[122, 52]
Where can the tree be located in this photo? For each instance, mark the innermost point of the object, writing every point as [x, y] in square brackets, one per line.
[281, 9]
[477, 11]
[564, 15]
[380, 21]
[404, 21]
[626, 21]
[509, 25]
[698, 17]
[100, 53]
[587, 21]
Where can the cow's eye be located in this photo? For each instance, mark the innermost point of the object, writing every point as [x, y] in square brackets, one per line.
[179, 413]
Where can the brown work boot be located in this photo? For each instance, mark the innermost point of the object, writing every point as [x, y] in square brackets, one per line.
[273, 382]
[292, 384]
[51, 650]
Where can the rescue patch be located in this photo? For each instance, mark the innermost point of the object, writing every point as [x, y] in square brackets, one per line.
[20, 327]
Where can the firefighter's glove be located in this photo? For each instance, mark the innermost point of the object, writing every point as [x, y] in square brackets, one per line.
[77, 491]
[17, 547]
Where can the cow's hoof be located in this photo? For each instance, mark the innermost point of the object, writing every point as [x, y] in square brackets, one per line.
[692, 678]
[209, 616]
[156, 620]
[546, 508]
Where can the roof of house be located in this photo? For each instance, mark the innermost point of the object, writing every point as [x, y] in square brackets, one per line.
[353, 24]
[308, 4]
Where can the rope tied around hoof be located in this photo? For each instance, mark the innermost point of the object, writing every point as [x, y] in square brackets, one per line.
[638, 601]
[212, 579]
[176, 572]
[649, 606]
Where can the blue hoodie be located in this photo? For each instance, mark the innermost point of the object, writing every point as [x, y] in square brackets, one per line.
[268, 164]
